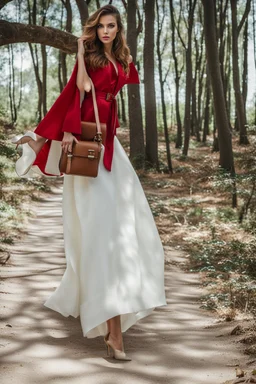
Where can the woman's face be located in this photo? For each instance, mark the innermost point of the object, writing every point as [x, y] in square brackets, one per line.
[107, 29]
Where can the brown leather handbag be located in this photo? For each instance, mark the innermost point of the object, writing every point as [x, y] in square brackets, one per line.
[84, 158]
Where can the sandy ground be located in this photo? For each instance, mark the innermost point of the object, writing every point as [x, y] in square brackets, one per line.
[177, 344]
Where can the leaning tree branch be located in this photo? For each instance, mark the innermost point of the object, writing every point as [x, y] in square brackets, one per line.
[245, 15]
[4, 2]
[125, 4]
[11, 33]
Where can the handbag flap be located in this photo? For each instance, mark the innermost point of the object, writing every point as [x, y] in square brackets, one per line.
[85, 149]
[89, 130]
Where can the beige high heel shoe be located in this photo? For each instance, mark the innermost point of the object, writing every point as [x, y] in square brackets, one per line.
[118, 355]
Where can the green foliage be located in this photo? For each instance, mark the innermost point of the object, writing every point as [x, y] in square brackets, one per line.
[230, 270]
[219, 256]
[7, 150]
[182, 201]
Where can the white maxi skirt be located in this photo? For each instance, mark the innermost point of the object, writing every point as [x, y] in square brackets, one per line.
[114, 255]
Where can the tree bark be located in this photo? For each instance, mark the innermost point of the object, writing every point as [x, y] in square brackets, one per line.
[137, 150]
[189, 76]
[254, 49]
[68, 28]
[162, 82]
[207, 108]
[149, 87]
[123, 110]
[83, 11]
[240, 110]
[44, 79]
[11, 33]
[245, 66]
[11, 86]
[4, 2]
[177, 79]
[224, 134]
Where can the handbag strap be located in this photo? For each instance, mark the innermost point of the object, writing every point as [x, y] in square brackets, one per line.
[95, 107]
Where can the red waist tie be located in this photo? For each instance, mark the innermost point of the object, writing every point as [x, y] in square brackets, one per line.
[111, 126]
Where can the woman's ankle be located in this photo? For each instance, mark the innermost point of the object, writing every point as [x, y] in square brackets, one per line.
[40, 139]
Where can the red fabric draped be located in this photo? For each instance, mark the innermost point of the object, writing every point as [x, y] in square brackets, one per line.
[65, 113]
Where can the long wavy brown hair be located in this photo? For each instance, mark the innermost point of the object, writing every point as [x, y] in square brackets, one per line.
[94, 48]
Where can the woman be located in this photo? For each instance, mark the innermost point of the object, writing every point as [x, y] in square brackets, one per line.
[115, 259]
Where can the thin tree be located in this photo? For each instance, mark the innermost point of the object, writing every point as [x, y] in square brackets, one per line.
[137, 150]
[221, 117]
[149, 86]
[254, 50]
[82, 6]
[240, 109]
[178, 73]
[11, 85]
[68, 28]
[245, 63]
[188, 49]
[160, 52]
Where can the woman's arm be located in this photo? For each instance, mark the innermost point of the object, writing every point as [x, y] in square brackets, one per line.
[82, 80]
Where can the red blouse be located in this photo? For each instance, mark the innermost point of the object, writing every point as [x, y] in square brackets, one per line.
[66, 114]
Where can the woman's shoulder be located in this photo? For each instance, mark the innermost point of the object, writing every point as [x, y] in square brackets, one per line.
[130, 59]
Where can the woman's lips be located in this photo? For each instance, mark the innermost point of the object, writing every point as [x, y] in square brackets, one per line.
[105, 37]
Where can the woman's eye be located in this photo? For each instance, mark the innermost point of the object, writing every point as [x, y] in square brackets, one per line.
[99, 26]
[112, 25]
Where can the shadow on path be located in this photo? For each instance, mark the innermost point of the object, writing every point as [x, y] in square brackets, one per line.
[173, 345]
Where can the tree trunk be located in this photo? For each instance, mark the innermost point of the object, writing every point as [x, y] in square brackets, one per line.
[240, 111]
[254, 50]
[11, 86]
[187, 117]
[44, 79]
[207, 108]
[162, 82]
[123, 111]
[228, 70]
[245, 66]
[224, 134]
[149, 87]
[137, 150]
[83, 11]
[63, 55]
[201, 73]
[177, 79]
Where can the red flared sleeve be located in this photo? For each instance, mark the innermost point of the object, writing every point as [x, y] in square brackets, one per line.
[64, 115]
[133, 76]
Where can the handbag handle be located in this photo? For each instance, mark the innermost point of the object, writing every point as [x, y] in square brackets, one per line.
[95, 107]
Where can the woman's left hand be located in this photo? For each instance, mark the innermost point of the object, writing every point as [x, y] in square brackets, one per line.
[80, 43]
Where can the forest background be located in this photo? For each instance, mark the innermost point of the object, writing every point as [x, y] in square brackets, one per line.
[189, 127]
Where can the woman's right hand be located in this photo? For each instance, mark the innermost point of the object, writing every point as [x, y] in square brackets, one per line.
[80, 43]
[67, 142]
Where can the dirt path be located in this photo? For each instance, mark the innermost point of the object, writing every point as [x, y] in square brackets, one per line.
[175, 345]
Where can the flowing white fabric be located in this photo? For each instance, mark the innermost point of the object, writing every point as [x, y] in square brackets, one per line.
[115, 259]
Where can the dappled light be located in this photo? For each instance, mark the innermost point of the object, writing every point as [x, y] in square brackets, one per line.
[39, 345]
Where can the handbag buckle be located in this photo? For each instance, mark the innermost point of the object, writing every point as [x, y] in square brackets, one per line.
[91, 154]
[98, 137]
[110, 96]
